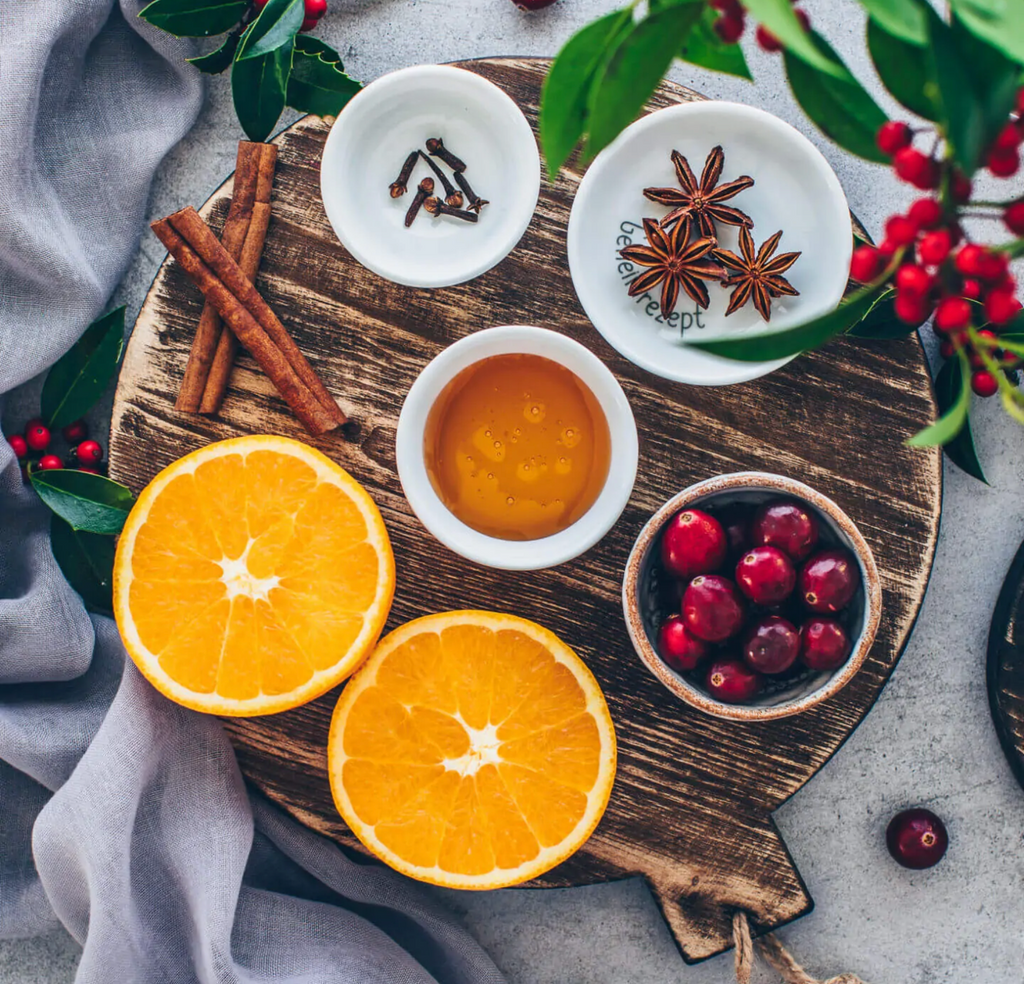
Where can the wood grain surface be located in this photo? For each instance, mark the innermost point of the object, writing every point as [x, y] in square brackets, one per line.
[1005, 670]
[691, 808]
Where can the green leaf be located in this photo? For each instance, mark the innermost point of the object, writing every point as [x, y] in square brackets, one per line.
[318, 83]
[259, 87]
[784, 342]
[960, 450]
[778, 17]
[79, 378]
[1013, 249]
[905, 70]
[219, 59]
[703, 47]
[957, 401]
[87, 502]
[563, 107]
[904, 19]
[999, 22]
[274, 30]
[840, 107]
[87, 561]
[881, 320]
[633, 69]
[194, 18]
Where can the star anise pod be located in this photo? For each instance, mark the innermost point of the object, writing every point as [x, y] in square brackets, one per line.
[673, 259]
[702, 201]
[757, 276]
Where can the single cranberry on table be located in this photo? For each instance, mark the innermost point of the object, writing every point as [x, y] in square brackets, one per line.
[693, 542]
[48, 462]
[824, 643]
[788, 525]
[679, 647]
[731, 681]
[916, 838]
[89, 452]
[713, 608]
[37, 435]
[771, 645]
[829, 580]
[766, 575]
[18, 445]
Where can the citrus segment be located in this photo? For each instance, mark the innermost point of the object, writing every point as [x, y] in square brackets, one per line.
[251, 576]
[472, 750]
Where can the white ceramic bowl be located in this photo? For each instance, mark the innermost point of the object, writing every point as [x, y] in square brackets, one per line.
[371, 139]
[794, 190]
[516, 555]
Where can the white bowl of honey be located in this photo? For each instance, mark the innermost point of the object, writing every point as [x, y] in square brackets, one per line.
[517, 448]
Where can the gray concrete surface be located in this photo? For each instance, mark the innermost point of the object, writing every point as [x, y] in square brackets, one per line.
[929, 739]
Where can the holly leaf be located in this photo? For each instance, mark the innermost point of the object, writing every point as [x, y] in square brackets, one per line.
[705, 48]
[87, 561]
[274, 30]
[838, 106]
[955, 402]
[784, 342]
[960, 449]
[632, 70]
[905, 70]
[83, 500]
[563, 107]
[999, 22]
[318, 83]
[881, 320]
[778, 17]
[903, 19]
[79, 378]
[219, 59]
[194, 18]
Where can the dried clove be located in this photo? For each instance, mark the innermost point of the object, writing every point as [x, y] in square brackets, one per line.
[437, 148]
[475, 201]
[423, 192]
[400, 184]
[452, 195]
[437, 207]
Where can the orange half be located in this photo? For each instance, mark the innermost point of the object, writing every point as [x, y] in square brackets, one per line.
[252, 576]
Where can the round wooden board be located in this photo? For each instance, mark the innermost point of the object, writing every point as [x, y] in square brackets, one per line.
[691, 808]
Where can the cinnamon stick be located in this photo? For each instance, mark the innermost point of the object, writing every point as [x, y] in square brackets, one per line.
[192, 243]
[210, 330]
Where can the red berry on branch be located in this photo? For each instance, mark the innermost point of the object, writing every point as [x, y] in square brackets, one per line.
[886, 251]
[925, 213]
[1003, 163]
[913, 279]
[934, 247]
[993, 267]
[316, 8]
[729, 27]
[971, 289]
[865, 264]
[970, 260]
[960, 187]
[767, 41]
[18, 445]
[946, 348]
[309, 23]
[917, 168]
[37, 435]
[952, 314]
[78, 431]
[900, 230]
[916, 838]
[911, 309]
[1001, 306]
[984, 383]
[892, 136]
[50, 461]
[1009, 138]
[1014, 218]
[89, 452]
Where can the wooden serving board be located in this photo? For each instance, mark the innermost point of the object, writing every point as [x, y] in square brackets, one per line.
[691, 809]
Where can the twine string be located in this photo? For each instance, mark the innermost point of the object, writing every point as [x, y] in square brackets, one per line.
[775, 955]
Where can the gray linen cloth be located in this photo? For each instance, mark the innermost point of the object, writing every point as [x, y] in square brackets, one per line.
[122, 815]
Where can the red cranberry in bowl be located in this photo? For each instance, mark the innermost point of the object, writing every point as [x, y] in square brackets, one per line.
[916, 838]
[679, 647]
[731, 681]
[692, 543]
[712, 608]
[829, 580]
[788, 525]
[766, 575]
[771, 645]
[824, 644]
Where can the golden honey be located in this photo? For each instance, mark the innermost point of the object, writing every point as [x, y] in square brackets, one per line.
[517, 447]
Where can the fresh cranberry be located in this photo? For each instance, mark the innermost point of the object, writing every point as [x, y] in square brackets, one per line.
[913, 279]
[693, 542]
[19, 445]
[1003, 162]
[886, 251]
[960, 187]
[37, 435]
[911, 309]
[731, 681]
[89, 452]
[729, 27]
[76, 432]
[1008, 138]
[865, 264]
[766, 575]
[824, 644]
[917, 168]
[971, 289]
[712, 608]
[984, 383]
[316, 8]
[925, 213]
[1001, 306]
[993, 266]
[829, 580]
[771, 645]
[934, 247]
[309, 23]
[900, 230]
[788, 525]
[952, 314]
[50, 461]
[893, 136]
[766, 40]
[679, 647]
[1014, 218]
[916, 838]
[970, 260]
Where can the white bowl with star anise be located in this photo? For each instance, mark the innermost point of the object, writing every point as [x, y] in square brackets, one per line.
[702, 220]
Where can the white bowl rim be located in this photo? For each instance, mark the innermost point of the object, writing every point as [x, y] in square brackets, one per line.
[744, 371]
[516, 554]
[520, 132]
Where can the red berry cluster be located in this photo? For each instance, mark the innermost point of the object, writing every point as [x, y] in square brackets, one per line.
[780, 579]
[315, 9]
[965, 286]
[732, 21]
[32, 448]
